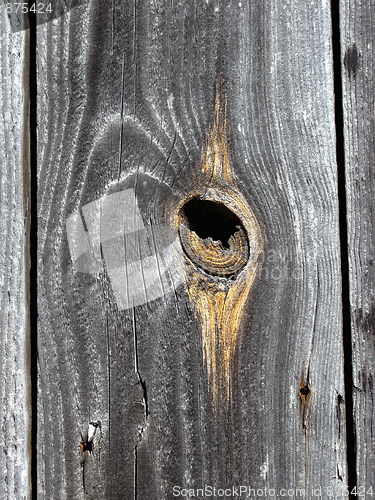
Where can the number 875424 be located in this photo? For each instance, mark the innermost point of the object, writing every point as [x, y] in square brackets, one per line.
[38, 8]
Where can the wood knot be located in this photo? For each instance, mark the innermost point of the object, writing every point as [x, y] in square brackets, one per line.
[213, 237]
[304, 391]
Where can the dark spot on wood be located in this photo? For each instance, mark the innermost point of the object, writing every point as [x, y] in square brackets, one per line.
[304, 391]
[364, 379]
[351, 60]
[143, 385]
[370, 383]
[366, 321]
[339, 477]
[86, 445]
[365, 382]
[339, 410]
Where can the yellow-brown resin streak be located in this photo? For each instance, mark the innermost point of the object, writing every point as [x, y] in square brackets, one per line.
[219, 302]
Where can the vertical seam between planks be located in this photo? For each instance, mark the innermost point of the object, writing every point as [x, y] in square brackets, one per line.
[33, 250]
[346, 317]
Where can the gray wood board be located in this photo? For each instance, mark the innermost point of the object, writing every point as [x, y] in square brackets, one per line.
[15, 390]
[126, 100]
[358, 76]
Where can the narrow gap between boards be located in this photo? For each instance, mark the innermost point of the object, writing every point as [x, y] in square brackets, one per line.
[33, 248]
[346, 318]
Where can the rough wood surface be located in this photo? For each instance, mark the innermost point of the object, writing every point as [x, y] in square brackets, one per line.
[15, 405]
[358, 76]
[164, 98]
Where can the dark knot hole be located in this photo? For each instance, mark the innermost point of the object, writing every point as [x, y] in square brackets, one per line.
[211, 219]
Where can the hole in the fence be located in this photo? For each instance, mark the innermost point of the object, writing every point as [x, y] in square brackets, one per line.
[211, 219]
[304, 391]
[213, 237]
[86, 445]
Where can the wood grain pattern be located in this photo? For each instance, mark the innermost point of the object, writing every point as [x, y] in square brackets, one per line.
[219, 302]
[358, 76]
[15, 390]
[127, 95]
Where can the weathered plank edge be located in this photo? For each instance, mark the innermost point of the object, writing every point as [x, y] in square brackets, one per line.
[358, 77]
[15, 462]
[29, 285]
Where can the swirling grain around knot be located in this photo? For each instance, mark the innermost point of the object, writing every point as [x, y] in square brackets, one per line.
[211, 256]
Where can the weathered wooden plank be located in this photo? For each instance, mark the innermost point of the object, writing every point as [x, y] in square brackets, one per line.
[358, 77]
[15, 389]
[215, 381]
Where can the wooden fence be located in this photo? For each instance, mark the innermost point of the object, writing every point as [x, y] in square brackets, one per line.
[193, 185]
